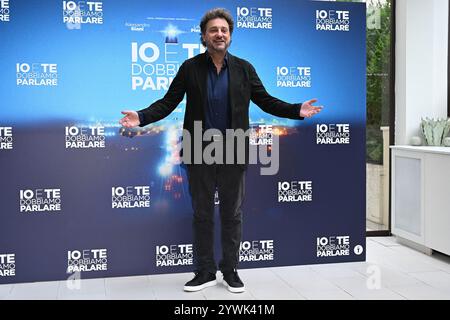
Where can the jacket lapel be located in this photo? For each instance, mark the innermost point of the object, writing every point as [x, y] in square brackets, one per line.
[233, 82]
[202, 76]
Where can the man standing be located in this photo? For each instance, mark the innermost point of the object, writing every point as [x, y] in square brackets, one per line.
[219, 87]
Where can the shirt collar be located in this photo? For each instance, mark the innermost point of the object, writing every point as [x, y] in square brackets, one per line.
[225, 60]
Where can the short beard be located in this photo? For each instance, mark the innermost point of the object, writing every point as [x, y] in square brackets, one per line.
[224, 50]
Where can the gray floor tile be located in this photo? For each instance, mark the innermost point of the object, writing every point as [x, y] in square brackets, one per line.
[335, 294]
[129, 288]
[170, 287]
[220, 292]
[82, 289]
[437, 279]
[34, 291]
[422, 292]
[5, 290]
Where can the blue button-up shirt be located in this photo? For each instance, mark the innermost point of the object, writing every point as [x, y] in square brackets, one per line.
[217, 113]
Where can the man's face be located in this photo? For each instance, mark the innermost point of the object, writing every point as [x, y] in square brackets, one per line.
[217, 35]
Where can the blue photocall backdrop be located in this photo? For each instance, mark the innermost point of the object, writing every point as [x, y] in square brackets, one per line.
[82, 196]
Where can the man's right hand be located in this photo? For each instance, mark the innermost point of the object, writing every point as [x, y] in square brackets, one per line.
[130, 120]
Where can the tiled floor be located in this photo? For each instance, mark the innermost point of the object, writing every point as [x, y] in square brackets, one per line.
[392, 271]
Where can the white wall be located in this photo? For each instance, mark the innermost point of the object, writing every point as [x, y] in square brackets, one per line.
[421, 64]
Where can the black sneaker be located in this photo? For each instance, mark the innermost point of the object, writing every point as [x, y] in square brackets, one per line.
[201, 281]
[233, 281]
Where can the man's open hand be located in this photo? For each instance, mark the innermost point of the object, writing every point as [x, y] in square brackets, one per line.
[308, 110]
[130, 120]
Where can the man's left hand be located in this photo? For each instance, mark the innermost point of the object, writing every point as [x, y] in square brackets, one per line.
[308, 110]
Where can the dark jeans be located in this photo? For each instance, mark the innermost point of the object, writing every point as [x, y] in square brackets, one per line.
[230, 183]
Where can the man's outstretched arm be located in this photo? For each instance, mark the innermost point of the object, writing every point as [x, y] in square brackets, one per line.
[161, 108]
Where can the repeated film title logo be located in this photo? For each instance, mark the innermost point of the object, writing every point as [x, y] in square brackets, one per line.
[82, 12]
[6, 138]
[332, 20]
[294, 77]
[40, 200]
[37, 74]
[4, 10]
[153, 67]
[174, 255]
[256, 250]
[130, 197]
[338, 133]
[85, 138]
[254, 18]
[334, 246]
[87, 260]
[295, 191]
[7, 265]
[262, 135]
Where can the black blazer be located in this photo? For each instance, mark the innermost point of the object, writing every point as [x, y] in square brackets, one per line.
[244, 86]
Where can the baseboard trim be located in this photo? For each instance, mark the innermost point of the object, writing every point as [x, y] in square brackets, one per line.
[414, 245]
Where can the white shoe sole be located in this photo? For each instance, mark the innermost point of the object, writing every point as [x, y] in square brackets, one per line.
[232, 289]
[200, 287]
